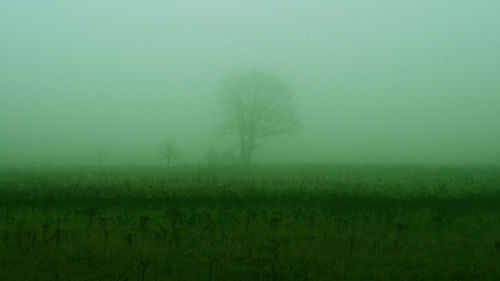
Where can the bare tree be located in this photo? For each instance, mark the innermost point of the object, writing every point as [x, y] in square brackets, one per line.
[100, 154]
[215, 157]
[169, 152]
[256, 105]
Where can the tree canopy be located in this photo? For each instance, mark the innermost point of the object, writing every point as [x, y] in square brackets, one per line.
[256, 105]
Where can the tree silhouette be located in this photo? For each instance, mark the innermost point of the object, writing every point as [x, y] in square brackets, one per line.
[256, 105]
[100, 154]
[169, 151]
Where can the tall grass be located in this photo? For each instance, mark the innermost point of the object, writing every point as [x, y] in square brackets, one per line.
[294, 222]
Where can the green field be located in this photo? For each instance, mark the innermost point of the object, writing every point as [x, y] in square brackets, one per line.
[293, 222]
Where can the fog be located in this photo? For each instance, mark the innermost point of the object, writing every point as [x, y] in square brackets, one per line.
[375, 81]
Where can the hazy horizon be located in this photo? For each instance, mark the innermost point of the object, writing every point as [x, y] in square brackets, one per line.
[375, 81]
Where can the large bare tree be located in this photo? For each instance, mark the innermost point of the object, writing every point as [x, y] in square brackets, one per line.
[256, 105]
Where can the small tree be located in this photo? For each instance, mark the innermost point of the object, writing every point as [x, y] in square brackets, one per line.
[100, 154]
[169, 152]
[216, 157]
[256, 105]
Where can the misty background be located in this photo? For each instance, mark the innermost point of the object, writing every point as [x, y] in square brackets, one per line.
[375, 81]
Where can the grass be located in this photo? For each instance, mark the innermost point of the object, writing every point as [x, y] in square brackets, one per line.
[288, 222]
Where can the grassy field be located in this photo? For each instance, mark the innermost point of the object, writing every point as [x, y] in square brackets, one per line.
[295, 222]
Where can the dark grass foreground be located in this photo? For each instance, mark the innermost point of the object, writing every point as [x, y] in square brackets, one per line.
[315, 222]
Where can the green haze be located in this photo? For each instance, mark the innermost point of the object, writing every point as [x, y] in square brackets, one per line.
[375, 81]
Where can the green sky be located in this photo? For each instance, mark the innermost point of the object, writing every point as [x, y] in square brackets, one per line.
[375, 81]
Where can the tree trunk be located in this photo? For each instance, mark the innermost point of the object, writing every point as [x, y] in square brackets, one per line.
[250, 146]
[243, 150]
[246, 149]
